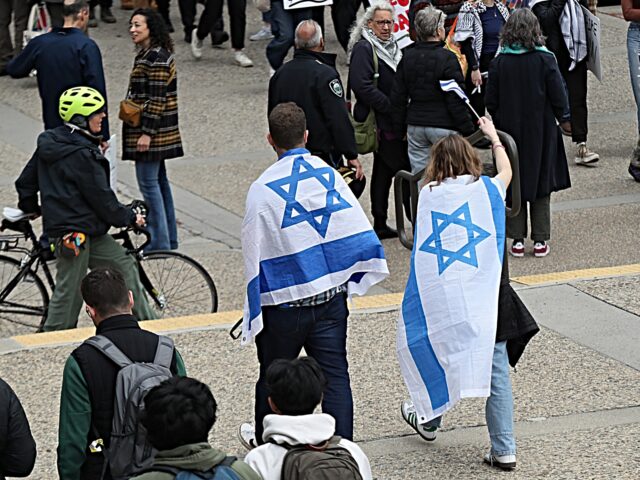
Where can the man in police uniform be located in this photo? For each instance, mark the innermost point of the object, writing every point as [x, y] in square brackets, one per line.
[312, 82]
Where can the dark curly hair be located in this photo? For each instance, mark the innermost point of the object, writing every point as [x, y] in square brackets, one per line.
[179, 411]
[158, 31]
[522, 30]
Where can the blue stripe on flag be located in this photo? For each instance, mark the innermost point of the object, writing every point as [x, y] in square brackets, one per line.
[317, 261]
[253, 297]
[417, 332]
[498, 213]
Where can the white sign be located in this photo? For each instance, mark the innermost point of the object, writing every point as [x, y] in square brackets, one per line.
[295, 4]
[401, 25]
[592, 24]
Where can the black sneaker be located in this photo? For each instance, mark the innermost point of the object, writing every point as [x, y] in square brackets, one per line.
[385, 232]
[106, 16]
[218, 38]
[634, 171]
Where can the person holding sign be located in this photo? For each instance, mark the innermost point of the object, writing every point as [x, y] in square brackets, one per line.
[563, 25]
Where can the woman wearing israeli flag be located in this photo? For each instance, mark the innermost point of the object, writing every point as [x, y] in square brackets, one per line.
[447, 327]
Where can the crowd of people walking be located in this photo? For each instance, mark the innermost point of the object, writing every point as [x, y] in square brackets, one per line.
[306, 249]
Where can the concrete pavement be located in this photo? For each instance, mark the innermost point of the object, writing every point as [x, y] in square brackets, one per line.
[577, 388]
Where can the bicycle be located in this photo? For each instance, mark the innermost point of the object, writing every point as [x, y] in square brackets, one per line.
[176, 284]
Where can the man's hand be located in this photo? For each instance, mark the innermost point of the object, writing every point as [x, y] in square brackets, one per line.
[476, 77]
[143, 143]
[140, 220]
[104, 146]
[359, 170]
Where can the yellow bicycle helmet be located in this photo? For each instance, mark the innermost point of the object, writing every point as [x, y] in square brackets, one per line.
[79, 101]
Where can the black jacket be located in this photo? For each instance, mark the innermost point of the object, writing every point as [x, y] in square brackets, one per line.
[548, 13]
[312, 82]
[100, 374]
[17, 447]
[416, 95]
[361, 72]
[72, 177]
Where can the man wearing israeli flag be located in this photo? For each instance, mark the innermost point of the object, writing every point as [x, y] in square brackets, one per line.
[446, 339]
[306, 244]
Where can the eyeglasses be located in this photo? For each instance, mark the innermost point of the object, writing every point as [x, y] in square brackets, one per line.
[383, 23]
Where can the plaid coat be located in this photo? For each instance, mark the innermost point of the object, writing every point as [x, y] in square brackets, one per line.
[153, 80]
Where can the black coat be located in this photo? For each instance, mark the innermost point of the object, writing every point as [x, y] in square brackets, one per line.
[416, 95]
[72, 177]
[361, 73]
[17, 447]
[525, 94]
[548, 14]
[312, 82]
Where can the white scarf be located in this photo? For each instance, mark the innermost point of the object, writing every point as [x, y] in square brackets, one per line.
[388, 51]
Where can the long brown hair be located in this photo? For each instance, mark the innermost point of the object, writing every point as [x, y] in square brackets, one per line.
[451, 156]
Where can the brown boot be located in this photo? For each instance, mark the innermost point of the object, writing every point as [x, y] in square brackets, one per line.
[126, 4]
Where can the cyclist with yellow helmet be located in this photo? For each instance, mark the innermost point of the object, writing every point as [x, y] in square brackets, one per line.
[78, 206]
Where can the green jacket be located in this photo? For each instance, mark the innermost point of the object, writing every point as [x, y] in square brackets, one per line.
[198, 457]
[75, 418]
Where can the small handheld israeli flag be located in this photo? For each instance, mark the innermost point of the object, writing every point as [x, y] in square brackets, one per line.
[447, 324]
[304, 233]
[452, 86]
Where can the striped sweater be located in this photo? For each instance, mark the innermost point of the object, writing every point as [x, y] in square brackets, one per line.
[154, 83]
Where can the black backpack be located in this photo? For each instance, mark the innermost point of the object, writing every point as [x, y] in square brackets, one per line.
[328, 461]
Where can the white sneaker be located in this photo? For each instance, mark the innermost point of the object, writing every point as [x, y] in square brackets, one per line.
[584, 156]
[263, 34]
[409, 414]
[503, 462]
[241, 59]
[247, 436]
[196, 47]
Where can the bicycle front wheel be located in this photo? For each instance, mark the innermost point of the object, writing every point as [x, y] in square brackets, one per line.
[177, 284]
[23, 297]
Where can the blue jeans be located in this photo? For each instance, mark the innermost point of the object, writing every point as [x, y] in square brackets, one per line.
[322, 331]
[420, 141]
[283, 26]
[156, 191]
[633, 52]
[499, 408]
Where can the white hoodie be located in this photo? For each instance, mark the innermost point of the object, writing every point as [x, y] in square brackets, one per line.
[297, 430]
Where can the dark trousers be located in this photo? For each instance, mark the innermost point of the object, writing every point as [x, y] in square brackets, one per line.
[576, 81]
[540, 217]
[56, 14]
[477, 99]
[237, 18]
[102, 3]
[188, 17]
[283, 26]
[322, 331]
[343, 14]
[391, 157]
[19, 10]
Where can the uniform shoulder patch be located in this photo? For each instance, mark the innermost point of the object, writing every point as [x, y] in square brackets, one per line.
[336, 87]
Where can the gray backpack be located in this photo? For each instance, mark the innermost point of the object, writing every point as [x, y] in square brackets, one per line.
[129, 451]
[326, 462]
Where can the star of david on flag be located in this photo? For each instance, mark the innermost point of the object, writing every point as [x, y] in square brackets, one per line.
[295, 212]
[465, 254]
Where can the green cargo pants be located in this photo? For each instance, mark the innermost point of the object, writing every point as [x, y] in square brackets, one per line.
[102, 251]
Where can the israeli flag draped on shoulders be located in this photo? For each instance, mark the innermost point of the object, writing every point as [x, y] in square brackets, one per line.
[304, 233]
[447, 323]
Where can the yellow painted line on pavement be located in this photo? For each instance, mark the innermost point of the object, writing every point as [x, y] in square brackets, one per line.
[177, 324]
[193, 322]
[586, 274]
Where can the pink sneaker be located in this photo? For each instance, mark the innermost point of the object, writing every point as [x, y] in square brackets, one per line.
[517, 248]
[541, 249]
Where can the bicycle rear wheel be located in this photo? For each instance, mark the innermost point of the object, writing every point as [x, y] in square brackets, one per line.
[177, 284]
[26, 304]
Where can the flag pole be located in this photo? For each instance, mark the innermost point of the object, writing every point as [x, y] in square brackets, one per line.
[472, 109]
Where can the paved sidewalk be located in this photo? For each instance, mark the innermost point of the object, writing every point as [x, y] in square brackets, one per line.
[577, 388]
